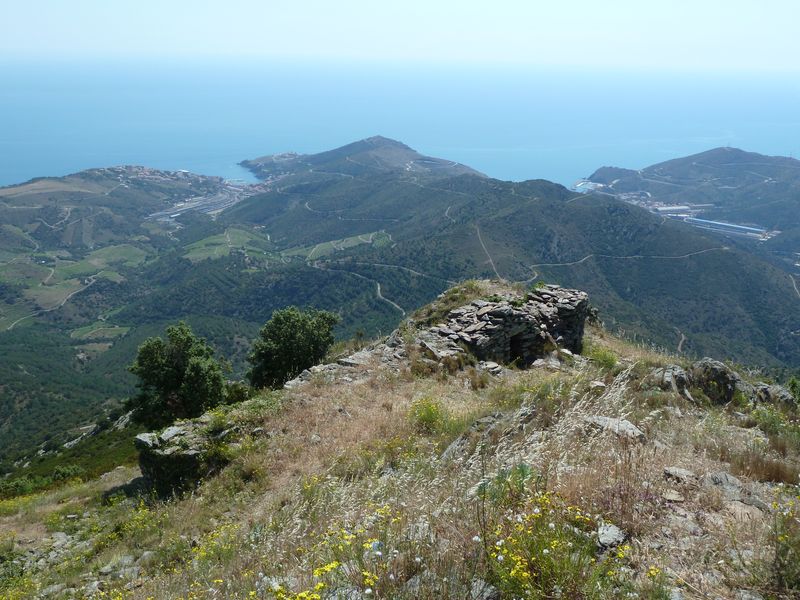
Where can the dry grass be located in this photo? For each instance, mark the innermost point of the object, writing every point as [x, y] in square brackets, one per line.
[337, 457]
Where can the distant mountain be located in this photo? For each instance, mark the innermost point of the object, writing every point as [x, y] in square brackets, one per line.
[742, 186]
[372, 155]
[93, 263]
[723, 184]
[655, 278]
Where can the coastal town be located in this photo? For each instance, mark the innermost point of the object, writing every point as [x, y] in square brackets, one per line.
[687, 212]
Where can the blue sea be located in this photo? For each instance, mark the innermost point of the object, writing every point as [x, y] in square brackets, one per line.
[510, 123]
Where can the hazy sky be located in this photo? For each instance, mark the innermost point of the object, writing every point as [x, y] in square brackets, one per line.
[666, 34]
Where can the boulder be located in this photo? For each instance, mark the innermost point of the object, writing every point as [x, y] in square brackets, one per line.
[774, 394]
[719, 382]
[620, 427]
[671, 378]
[610, 536]
[481, 590]
[180, 456]
[679, 474]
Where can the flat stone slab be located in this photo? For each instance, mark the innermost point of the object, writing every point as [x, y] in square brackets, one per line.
[620, 427]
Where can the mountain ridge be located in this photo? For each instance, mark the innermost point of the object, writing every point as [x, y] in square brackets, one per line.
[93, 274]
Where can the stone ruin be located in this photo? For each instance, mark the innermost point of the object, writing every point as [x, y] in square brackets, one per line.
[512, 328]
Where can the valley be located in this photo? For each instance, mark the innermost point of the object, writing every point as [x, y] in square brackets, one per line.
[95, 262]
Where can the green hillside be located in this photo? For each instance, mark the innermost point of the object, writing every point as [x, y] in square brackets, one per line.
[93, 263]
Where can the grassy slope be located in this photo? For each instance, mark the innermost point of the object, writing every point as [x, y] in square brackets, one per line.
[354, 485]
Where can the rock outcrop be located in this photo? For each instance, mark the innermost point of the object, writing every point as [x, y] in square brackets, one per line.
[719, 383]
[175, 459]
[511, 328]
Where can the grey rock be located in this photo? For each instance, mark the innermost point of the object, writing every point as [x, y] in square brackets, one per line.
[733, 489]
[147, 559]
[419, 582]
[481, 590]
[680, 475]
[146, 441]
[609, 536]
[59, 538]
[359, 359]
[123, 421]
[170, 432]
[729, 484]
[183, 456]
[748, 595]
[775, 394]
[93, 587]
[129, 573]
[719, 382]
[620, 427]
[671, 377]
[53, 590]
[672, 496]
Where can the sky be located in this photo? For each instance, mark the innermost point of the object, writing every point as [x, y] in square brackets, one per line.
[683, 35]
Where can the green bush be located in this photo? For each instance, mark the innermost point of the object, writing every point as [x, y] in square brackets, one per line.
[178, 378]
[427, 415]
[64, 472]
[601, 356]
[290, 342]
[793, 385]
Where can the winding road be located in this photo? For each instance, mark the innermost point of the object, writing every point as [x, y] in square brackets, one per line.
[630, 257]
[91, 280]
[489, 256]
[407, 269]
[682, 340]
[378, 293]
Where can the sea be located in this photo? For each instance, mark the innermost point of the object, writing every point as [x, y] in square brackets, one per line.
[510, 123]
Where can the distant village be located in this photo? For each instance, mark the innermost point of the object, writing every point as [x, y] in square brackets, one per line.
[688, 213]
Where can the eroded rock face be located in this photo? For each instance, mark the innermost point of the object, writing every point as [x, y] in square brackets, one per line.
[774, 394]
[175, 459]
[719, 382]
[512, 328]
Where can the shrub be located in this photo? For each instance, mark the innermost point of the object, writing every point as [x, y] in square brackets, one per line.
[601, 356]
[63, 472]
[478, 379]
[290, 342]
[427, 415]
[793, 385]
[785, 543]
[178, 378]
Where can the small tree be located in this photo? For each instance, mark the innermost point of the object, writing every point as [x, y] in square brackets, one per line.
[794, 388]
[178, 378]
[291, 341]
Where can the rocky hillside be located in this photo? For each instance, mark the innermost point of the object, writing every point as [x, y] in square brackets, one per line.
[497, 445]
